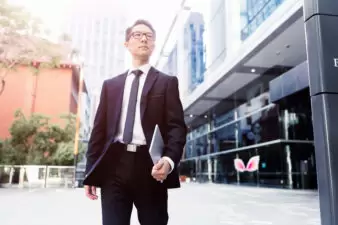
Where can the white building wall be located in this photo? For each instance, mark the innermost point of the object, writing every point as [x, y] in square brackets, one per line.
[232, 27]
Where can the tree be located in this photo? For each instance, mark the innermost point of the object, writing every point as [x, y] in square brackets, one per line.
[30, 137]
[36, 141]
[64, 153]
[22, 43]
[9, 155]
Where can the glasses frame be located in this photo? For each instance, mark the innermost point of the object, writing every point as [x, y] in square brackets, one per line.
[146, 34]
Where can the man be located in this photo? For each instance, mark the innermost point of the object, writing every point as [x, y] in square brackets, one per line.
[118, 159]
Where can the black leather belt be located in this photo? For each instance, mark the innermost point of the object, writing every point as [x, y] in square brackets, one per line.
[132, 147]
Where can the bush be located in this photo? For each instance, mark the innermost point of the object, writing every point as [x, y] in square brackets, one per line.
[37, 142]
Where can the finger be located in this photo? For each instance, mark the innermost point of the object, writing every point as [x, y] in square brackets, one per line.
[157, 176]
[92, 197]
[158, 172]
[162, 171]
[158, 165]
[155, 171]
[87, 190]
[160, 177]
[160, 180]
[89, 194]
[94, 190]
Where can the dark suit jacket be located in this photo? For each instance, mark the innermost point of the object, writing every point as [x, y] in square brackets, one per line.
[160, 104]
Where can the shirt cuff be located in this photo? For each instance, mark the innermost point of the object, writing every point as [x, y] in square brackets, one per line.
[169, 160]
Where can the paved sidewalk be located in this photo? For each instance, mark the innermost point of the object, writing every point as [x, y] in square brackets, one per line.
[193, 204]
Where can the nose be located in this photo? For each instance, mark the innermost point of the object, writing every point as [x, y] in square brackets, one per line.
[144, 38]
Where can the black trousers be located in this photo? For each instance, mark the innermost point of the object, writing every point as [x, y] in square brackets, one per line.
[128, 182]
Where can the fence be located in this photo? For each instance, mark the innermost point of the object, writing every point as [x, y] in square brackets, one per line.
[32, 176]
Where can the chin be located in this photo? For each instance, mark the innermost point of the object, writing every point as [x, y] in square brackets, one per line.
[143, 56]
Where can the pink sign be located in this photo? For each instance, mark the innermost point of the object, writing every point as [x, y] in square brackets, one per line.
[252, 165]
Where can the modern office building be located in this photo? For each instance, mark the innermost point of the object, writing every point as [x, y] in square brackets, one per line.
[252, 106]
[98, 34]
[187, 55]
[97, 31]
[193, 50]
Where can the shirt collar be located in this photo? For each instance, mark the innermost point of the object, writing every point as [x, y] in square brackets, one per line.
[144, 68]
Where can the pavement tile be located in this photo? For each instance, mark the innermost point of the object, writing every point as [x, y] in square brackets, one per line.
[193, 204]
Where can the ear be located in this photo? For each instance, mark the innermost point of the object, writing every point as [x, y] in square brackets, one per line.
[239, 165]
[253, 164]
[126, 44]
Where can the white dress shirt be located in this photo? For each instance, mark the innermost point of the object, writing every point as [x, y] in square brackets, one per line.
[138, 135]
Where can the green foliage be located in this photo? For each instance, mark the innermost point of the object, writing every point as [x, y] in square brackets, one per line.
[10, 155]
[64, 153]
[37, 142]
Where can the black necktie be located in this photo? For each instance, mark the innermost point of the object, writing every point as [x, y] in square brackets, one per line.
[129, 124]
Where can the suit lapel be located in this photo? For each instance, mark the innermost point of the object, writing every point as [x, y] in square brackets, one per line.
[150, 80]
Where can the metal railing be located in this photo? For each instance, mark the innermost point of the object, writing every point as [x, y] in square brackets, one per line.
[37, 176]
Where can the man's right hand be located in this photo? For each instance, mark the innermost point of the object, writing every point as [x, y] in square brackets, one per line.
[91, 192]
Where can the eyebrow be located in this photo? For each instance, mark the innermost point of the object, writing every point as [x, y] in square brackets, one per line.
[142, 31]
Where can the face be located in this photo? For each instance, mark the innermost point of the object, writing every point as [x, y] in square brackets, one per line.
[141, 42]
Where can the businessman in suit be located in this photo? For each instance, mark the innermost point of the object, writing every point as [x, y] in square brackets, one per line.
[118, 159]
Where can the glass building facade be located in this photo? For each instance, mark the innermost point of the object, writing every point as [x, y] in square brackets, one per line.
[279, 133]
[189, 55]
[194, 49]
[250, 123]
[254, 13]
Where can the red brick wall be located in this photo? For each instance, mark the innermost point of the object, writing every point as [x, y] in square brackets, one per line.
[52, 95]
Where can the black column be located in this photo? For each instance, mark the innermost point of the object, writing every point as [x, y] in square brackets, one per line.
[321, 29]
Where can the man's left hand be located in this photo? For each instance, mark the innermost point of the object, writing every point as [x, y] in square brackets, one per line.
[161, 170]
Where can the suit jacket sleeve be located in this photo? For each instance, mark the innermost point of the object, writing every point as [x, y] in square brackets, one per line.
[98, 135]
[176, 127]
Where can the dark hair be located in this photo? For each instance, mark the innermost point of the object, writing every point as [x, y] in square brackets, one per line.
[138, 22]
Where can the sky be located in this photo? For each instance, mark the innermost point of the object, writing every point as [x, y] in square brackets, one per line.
[159, 12]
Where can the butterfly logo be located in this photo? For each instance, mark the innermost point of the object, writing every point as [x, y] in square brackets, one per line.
[250, 167]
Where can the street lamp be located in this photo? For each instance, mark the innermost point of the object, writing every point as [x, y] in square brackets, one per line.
[78, 118]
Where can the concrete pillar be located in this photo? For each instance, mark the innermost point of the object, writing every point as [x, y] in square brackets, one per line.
[21, 177]
[321, 22]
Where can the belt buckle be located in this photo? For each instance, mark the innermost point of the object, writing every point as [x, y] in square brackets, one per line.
[131, 148]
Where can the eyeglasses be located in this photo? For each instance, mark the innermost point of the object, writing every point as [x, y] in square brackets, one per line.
[139, 35]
